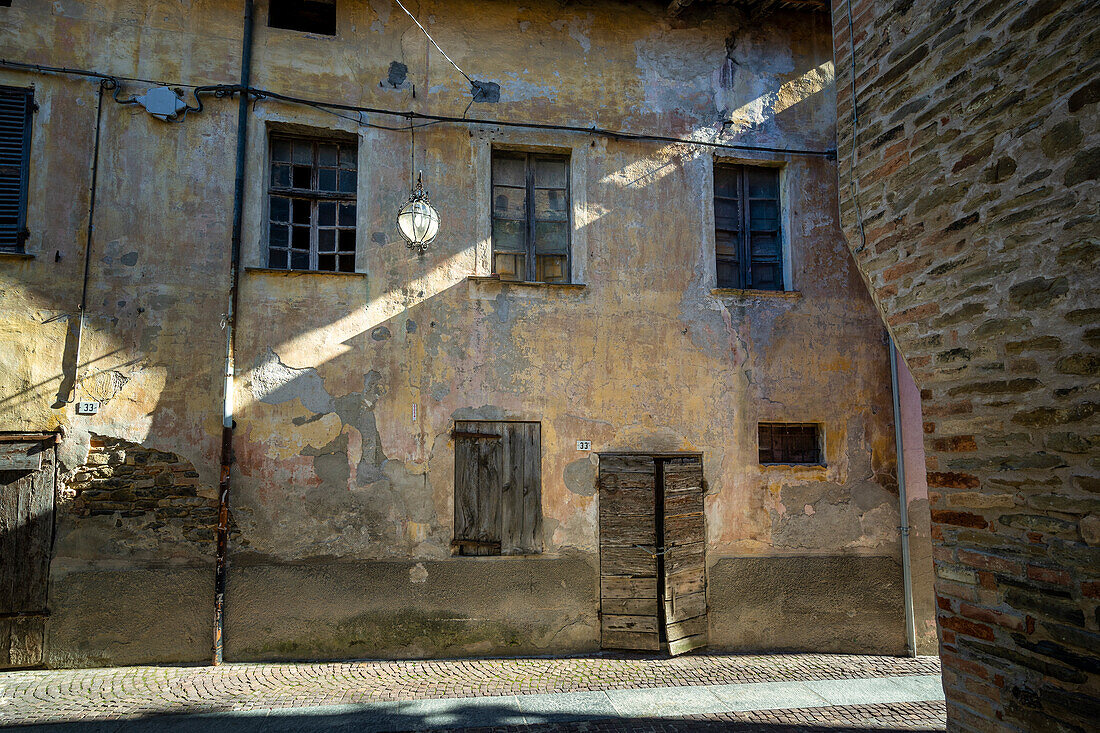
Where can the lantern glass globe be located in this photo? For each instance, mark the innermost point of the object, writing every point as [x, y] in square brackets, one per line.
[418, 222]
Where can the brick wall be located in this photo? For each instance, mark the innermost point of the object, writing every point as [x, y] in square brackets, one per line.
[978, 150]
[156, 498]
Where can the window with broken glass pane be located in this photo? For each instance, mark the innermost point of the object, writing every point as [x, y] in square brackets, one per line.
[747, 245]
[311, 204]
[531, 222]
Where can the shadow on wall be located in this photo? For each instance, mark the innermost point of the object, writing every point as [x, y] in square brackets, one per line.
[437, 715]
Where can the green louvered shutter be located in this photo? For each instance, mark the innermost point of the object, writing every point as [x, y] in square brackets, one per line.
[15, 148]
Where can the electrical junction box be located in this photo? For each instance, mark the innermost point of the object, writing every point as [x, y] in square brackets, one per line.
[87, 407]
[162, 102]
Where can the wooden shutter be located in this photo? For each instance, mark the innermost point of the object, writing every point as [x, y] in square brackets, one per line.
[747, 245]
[15, 143]
[521, 488]
[498, 488]
[727, 225]
[765, 253]
[684, 580]
[628, 559]
[26, 532]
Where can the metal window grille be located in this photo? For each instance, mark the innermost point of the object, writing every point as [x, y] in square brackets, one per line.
[311, 204]
[16, 108]
[531, 217]
[790, 443]
[748, 249]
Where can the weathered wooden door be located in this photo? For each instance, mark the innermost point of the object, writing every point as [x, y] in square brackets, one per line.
[628, 559]
[26, 532]
[684, 579]
[652, 553]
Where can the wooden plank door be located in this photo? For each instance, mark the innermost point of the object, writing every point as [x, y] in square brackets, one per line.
[628, 559]
[684, 579]
[26, 532]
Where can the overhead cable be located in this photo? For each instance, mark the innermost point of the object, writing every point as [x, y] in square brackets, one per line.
[222, 90]
[429, 35]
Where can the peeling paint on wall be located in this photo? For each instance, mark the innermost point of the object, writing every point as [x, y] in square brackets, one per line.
[333, 477]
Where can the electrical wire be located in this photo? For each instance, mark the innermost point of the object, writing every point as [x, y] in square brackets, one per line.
[429, 35]
[223, 90]
[94, 74]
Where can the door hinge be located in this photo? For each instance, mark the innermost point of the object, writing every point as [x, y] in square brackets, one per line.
[474, 436]
[44, 613]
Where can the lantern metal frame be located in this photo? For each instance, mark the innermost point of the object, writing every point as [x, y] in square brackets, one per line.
[418, 194]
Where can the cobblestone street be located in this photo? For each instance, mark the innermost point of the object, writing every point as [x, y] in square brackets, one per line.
[593, 693]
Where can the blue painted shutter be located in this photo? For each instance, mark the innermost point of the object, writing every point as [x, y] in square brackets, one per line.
[15, 147]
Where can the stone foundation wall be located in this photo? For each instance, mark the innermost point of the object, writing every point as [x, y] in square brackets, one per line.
[970, 205]
[807, 604]
[132, 578]
[460, 607]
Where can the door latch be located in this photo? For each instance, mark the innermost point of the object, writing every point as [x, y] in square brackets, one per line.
[653, 551]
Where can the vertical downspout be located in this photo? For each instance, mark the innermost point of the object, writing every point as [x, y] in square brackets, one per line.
[230, 342]
[906, 570]
[103, 85]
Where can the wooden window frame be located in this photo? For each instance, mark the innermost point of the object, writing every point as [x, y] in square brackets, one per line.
[743, 233]
[18, 246]
[316, 198]
[530, 262]
[818, 433]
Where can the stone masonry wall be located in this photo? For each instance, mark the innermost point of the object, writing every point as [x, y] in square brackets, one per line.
[971, 208]
[152, 496]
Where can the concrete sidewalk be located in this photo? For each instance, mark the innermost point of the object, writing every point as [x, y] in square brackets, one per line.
[778, 692]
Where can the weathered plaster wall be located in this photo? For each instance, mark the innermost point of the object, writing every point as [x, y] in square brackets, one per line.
[152, 341]
[342, 503]
[971, 207]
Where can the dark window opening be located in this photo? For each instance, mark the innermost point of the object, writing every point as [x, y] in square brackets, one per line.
[307, 16]
[791, 443]
[747, 245]
[311, 204]
[531, 217]
[16, 108]
[498, 488]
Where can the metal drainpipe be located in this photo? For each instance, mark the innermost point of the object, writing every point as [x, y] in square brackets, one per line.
[906, 570]
[103, 85]
[230, 342]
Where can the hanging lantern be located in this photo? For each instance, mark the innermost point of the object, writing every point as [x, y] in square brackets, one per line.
[417, 221]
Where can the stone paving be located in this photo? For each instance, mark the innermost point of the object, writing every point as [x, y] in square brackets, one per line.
[133, 693]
